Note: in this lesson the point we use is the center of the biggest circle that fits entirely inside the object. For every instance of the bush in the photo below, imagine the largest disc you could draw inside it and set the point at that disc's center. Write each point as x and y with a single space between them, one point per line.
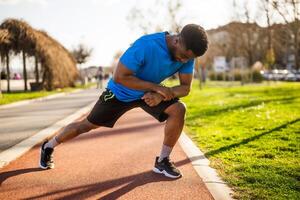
236 75
257 77
3 75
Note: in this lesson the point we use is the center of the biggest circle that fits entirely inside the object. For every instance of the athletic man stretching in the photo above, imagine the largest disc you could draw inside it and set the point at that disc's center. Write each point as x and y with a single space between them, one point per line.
136 83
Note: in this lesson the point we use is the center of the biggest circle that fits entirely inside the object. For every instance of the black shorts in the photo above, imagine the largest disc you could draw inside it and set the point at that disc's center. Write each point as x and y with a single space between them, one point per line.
109 109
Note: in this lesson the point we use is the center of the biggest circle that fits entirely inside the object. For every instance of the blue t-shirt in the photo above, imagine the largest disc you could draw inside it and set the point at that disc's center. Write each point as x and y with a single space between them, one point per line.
150 60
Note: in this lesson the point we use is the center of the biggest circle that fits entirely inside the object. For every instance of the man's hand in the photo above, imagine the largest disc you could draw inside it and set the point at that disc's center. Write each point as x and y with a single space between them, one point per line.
166 92
152 98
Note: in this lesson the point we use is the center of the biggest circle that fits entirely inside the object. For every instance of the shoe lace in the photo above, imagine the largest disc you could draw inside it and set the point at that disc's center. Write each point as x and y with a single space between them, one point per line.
169 163
49 157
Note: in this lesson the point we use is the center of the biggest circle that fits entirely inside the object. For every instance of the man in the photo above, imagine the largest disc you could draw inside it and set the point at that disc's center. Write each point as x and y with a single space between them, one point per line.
136 83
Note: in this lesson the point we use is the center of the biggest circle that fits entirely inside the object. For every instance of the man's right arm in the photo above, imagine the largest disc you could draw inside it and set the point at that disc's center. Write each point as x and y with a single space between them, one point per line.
124 76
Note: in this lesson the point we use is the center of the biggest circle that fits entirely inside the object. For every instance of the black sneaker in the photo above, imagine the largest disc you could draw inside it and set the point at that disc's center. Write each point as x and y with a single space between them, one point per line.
167 168
46 160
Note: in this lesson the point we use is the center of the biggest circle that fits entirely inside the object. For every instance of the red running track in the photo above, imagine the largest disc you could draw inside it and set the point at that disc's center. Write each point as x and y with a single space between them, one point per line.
105 164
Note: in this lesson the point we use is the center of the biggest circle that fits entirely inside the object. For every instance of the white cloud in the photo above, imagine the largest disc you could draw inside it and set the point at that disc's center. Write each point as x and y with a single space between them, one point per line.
16 2
105 3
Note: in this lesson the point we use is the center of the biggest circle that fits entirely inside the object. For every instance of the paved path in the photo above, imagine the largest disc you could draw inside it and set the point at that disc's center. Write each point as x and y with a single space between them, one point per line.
104 164
21 122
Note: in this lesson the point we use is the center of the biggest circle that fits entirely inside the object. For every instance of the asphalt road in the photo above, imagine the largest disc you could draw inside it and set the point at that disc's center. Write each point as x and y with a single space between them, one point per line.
19 123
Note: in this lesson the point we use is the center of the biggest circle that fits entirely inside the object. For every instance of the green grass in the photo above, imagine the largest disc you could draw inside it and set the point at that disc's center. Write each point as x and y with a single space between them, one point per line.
18 96
251 135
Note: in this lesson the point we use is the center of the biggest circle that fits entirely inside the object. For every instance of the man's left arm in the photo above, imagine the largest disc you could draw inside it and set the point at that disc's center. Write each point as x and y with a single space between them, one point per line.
185 78
153 98
185 85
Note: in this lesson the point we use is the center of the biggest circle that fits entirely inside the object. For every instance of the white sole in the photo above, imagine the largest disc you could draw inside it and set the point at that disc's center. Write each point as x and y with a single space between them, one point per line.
164 173
42 167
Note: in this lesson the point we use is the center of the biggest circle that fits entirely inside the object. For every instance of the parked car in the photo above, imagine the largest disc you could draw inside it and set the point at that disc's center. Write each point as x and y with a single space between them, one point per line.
281 75
267 75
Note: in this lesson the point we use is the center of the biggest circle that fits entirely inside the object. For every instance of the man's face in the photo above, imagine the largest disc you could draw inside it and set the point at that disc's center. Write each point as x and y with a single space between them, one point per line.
179 52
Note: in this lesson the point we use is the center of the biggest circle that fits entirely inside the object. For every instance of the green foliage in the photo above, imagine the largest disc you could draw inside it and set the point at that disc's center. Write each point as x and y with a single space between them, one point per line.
18 96
251 135
257 77
270 58
81 53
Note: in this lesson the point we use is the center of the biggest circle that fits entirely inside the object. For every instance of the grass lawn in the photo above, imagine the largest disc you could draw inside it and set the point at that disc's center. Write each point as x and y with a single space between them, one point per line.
18 96
251 135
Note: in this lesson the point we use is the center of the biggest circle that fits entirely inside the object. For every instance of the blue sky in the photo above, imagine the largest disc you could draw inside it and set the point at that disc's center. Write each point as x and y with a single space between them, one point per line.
102 25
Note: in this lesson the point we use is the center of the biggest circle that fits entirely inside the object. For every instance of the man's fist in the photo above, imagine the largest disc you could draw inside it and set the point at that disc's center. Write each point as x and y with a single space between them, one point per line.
166 92
152 98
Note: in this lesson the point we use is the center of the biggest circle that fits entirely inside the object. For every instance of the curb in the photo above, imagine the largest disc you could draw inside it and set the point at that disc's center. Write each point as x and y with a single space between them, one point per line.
19 149
24 102
216 186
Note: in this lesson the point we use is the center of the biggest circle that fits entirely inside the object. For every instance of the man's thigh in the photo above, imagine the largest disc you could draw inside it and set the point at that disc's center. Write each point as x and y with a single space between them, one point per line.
108 110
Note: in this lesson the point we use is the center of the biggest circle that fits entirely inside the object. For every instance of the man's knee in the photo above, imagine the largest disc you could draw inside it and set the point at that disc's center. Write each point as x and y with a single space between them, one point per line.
176 109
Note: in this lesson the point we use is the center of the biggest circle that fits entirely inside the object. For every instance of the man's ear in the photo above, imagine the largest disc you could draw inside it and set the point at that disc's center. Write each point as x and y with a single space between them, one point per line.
191 54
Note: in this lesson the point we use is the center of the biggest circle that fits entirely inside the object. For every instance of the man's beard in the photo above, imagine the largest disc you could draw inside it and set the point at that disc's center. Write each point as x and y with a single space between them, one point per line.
172 53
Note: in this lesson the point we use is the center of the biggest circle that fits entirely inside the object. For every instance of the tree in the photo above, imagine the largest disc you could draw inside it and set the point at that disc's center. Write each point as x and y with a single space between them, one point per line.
24 70
290 13
150 20
7 71
36 69
248 33
173 8
81 55
0 81
267 10
5 61
247 37
266 6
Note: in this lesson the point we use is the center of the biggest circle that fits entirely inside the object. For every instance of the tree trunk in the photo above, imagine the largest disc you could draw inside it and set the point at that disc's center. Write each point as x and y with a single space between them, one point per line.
296 53
293 26
250 53
7 72
200 77
242 75
37 75
44 72
24 71
198 72
0 81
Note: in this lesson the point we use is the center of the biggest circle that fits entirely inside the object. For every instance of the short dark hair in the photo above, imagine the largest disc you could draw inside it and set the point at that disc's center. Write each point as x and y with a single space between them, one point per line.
195 39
